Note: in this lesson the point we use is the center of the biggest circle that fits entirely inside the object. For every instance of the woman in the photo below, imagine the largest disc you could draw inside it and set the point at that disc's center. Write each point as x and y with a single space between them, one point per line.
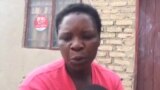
78 27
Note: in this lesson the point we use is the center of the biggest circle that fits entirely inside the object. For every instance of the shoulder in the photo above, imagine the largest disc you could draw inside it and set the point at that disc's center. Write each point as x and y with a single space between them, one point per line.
43 72
107 77
105 71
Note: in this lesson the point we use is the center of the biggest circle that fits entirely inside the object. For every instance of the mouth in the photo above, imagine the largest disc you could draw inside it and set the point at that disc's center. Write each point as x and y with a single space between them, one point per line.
78 60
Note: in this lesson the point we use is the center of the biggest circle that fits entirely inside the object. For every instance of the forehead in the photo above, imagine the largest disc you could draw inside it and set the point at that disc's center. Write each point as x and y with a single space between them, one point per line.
76 18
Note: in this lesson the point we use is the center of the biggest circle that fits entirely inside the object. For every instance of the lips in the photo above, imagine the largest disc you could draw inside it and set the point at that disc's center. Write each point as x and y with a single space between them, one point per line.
78 60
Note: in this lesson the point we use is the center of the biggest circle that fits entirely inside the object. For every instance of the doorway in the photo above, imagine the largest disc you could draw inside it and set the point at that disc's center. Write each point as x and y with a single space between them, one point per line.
148 45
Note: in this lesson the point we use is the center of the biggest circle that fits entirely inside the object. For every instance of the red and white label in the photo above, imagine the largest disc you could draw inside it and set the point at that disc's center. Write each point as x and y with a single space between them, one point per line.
41 23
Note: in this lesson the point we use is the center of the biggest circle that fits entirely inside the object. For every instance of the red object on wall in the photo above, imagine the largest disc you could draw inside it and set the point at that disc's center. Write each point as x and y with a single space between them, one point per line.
41 23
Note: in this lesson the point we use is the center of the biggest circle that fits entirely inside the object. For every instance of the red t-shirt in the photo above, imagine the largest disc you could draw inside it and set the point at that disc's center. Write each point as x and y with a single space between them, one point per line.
54 77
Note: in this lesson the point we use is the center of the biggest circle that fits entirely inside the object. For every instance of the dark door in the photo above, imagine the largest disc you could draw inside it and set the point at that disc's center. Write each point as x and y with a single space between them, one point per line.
148 60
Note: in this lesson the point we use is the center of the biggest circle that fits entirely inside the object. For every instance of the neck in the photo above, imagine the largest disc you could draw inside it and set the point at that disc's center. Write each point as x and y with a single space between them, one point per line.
79 74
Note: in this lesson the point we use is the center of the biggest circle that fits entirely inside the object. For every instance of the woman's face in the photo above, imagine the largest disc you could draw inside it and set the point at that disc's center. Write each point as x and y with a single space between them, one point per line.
78 40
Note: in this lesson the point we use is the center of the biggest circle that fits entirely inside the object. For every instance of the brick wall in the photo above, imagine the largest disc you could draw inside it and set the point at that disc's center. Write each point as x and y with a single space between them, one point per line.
117 37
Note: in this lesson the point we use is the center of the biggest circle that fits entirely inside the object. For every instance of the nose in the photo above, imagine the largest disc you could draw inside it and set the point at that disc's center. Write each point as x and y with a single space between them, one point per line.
77 45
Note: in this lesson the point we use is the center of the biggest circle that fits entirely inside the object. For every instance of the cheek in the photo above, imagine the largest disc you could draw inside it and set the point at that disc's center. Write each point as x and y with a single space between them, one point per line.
95 43
92 47
64 49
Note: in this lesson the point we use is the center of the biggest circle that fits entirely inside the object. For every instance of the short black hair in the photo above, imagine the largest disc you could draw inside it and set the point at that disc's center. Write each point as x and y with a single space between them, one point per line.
82 8
94 87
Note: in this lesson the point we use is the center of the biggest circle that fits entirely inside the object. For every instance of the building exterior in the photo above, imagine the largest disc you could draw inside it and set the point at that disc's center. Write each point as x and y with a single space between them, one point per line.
118 37
117 49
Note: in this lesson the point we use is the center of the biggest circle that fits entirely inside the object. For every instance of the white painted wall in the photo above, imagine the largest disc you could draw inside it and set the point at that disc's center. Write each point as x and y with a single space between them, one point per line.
16 61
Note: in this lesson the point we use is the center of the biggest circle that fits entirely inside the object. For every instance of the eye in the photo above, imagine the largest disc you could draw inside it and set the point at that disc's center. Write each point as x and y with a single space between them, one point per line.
88 36
65 37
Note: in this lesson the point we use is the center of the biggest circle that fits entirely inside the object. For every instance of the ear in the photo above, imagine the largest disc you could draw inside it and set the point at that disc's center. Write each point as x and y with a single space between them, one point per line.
99 41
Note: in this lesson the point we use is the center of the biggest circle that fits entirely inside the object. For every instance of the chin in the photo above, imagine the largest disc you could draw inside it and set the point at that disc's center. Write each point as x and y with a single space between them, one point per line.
79 68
